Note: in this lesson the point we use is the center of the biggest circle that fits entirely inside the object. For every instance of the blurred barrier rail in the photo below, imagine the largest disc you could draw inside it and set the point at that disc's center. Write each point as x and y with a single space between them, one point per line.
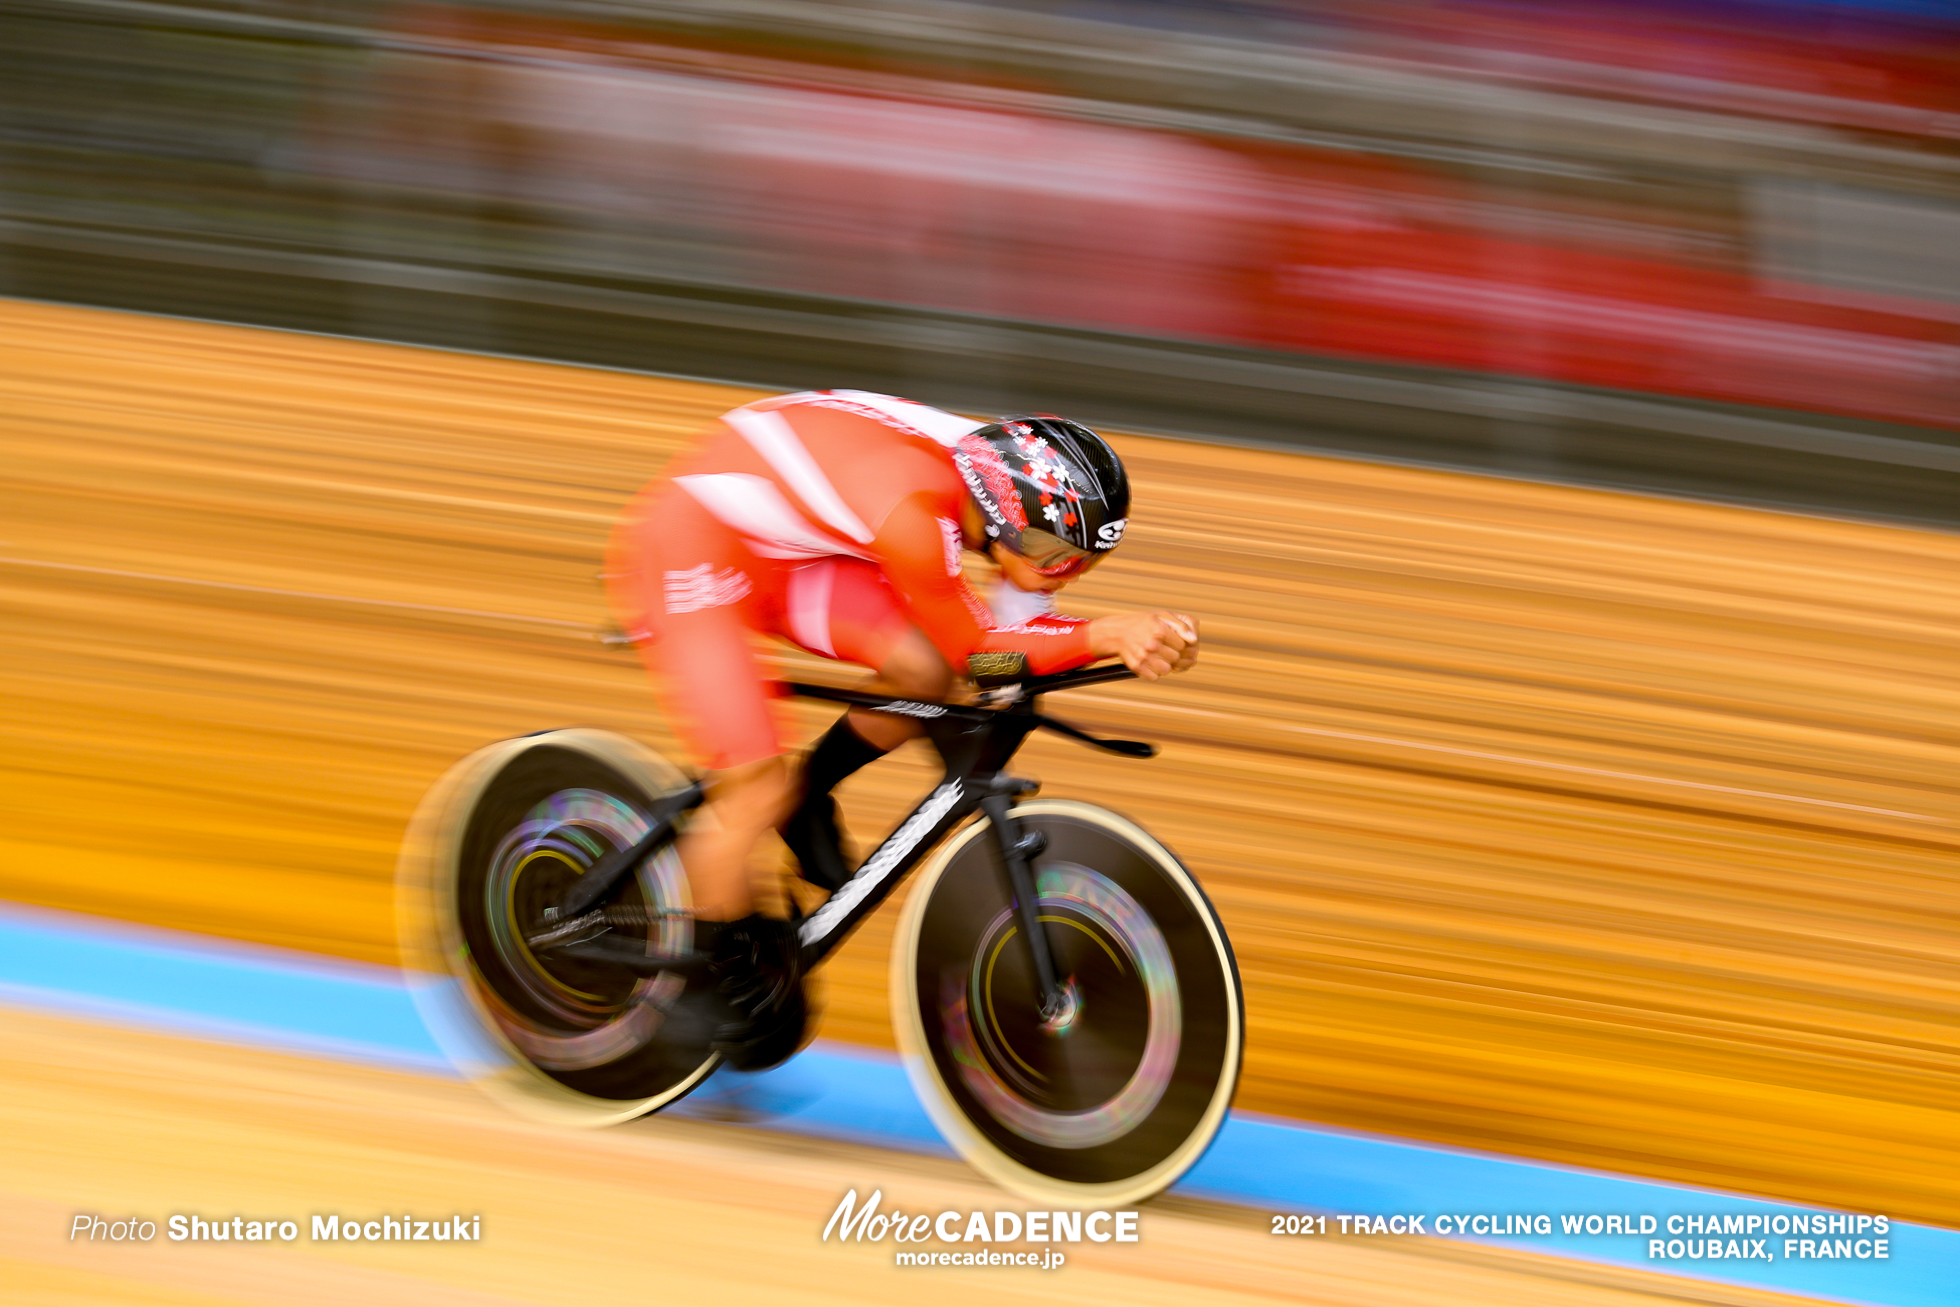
1584 826
1464 242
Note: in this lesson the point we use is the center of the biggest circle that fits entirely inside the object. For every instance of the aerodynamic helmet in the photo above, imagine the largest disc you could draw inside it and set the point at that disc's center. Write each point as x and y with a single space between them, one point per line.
1052 491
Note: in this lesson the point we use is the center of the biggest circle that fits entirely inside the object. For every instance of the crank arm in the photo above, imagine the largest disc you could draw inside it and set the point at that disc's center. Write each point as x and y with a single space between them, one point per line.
616 952
567 932
594 923
597 882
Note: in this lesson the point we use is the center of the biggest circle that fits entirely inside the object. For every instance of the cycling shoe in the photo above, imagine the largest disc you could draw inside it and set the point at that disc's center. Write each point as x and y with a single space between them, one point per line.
757 998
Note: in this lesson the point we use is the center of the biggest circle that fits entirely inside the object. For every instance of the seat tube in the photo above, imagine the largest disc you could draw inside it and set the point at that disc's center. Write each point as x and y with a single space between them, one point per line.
1014 852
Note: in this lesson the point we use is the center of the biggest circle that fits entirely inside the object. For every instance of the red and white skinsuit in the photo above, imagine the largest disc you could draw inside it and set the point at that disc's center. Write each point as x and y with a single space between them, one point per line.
830 519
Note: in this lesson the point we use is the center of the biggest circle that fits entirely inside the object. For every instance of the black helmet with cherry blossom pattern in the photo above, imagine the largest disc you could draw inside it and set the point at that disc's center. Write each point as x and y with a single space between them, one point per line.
1051 491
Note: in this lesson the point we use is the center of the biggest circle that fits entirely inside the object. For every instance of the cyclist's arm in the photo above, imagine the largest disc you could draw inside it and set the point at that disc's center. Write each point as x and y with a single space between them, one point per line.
918 545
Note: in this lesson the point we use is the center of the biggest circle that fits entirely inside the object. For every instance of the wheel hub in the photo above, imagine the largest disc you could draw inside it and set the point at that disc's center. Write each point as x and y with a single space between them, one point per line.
1056 1019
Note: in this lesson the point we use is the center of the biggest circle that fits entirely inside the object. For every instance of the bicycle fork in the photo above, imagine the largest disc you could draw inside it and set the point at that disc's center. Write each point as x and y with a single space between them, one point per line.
1016 851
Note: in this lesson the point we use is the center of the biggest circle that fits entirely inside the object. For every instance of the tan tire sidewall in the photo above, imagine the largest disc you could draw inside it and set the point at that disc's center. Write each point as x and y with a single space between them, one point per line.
981 1153
431 938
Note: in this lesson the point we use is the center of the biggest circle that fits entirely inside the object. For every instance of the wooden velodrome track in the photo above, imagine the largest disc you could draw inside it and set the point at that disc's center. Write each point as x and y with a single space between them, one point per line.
1599 828
655 1211
662 1211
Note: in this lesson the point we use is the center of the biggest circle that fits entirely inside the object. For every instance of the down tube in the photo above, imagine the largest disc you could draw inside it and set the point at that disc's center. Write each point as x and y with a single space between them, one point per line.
833 921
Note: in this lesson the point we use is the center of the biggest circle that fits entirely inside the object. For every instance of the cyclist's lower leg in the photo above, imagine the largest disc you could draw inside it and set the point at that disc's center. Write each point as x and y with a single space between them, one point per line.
754 1014
914 670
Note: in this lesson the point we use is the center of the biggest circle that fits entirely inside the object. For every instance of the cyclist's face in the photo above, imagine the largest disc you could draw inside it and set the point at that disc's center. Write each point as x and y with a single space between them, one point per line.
1020 573
1022 576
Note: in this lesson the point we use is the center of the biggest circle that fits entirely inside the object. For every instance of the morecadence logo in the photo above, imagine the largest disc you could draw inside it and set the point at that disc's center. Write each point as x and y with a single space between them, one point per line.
865 1223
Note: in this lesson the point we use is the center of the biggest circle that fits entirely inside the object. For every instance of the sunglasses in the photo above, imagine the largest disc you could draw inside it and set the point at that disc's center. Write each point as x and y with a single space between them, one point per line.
1052 556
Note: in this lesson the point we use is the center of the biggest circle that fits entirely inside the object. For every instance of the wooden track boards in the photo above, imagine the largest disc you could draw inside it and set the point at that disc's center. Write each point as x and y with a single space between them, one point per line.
661 1210
1600 828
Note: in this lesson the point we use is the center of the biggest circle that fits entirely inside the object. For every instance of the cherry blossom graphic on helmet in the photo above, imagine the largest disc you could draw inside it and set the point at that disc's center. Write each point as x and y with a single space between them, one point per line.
991 484
1042 466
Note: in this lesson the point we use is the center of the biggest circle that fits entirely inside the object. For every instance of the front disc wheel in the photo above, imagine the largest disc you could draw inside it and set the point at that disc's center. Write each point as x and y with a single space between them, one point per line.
1114 1092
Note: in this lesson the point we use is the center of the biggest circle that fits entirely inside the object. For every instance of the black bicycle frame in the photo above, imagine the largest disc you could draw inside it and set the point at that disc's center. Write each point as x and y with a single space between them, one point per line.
975 743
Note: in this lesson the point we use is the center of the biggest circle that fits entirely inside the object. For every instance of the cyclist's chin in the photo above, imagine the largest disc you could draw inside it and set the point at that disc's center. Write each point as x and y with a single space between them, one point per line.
1033 582
1024 578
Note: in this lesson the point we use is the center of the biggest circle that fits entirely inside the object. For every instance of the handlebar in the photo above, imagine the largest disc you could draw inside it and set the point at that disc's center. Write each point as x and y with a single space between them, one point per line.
993 697
994 701
1081 676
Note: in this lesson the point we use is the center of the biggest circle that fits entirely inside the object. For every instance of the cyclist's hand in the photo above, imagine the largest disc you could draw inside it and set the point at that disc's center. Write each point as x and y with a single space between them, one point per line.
1150 644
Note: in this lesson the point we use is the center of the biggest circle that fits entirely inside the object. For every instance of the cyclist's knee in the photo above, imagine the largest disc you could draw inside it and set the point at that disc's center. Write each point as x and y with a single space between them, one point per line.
916 669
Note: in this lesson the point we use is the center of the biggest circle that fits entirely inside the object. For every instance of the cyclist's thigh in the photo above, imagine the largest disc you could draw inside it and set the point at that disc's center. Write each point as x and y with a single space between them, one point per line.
685 585
843 608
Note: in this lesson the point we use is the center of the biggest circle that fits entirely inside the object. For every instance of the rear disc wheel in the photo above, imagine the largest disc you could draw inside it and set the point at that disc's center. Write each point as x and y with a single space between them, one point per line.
496 844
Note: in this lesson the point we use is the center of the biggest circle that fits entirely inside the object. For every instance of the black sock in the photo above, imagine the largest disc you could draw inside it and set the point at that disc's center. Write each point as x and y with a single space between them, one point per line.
811 830
840 753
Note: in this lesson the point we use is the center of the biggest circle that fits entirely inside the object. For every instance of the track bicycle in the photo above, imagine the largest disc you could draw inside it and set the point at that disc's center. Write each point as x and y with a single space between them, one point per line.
1065 997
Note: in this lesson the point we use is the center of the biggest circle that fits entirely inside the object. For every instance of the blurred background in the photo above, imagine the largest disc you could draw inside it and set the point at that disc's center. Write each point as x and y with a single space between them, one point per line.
1712 246
1551 816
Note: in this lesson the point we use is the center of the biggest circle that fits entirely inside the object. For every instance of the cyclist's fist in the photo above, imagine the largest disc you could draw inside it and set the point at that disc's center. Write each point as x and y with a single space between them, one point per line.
1150 644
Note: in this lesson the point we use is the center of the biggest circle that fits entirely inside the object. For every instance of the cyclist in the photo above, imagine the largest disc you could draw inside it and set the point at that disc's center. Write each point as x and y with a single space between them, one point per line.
837 520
